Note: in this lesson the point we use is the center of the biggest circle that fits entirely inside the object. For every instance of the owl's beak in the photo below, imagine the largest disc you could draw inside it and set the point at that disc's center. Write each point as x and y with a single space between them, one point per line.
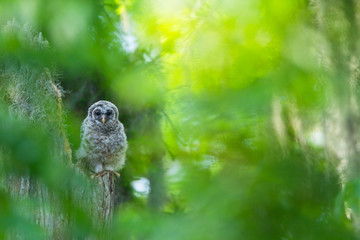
103 120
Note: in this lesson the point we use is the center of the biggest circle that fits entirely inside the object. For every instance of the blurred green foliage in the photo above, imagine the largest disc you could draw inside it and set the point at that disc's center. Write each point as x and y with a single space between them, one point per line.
241 116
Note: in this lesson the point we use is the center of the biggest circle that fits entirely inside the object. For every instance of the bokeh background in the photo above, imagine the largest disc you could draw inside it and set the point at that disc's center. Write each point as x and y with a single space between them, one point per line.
242 117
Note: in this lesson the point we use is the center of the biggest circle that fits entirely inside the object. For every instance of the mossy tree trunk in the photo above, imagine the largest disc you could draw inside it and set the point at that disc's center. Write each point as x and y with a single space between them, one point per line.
32 95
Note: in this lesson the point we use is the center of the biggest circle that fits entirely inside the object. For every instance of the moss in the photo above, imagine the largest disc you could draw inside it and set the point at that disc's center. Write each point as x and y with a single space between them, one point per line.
30 90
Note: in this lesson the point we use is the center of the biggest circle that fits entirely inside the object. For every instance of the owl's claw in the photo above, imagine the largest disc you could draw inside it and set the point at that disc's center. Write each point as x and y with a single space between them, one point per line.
94 175
116 174
99 174
102 173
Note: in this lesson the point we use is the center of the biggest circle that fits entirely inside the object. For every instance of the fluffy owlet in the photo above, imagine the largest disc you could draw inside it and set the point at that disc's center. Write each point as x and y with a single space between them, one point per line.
103 140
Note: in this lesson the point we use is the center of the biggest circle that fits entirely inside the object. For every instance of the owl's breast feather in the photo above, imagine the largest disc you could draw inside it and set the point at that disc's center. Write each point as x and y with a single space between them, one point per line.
107 144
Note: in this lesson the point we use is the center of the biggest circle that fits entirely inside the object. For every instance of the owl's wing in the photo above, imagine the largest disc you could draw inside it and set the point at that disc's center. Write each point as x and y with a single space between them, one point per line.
82 128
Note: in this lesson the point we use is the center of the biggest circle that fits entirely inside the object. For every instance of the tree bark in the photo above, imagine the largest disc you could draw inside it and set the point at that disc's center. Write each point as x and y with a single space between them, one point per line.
103 198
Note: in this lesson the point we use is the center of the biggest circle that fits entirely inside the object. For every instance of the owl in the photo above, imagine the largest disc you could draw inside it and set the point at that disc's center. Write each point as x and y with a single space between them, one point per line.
103 140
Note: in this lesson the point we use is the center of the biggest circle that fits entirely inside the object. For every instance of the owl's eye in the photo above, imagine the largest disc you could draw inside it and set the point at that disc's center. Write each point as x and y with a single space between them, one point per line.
97 113
108 112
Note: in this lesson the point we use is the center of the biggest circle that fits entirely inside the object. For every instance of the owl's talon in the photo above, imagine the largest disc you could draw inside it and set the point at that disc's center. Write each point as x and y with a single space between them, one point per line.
103 173
94 174
111 171
116 173
99 174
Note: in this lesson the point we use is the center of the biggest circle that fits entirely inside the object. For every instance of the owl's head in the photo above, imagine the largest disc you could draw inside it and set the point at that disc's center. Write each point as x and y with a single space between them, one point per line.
103 112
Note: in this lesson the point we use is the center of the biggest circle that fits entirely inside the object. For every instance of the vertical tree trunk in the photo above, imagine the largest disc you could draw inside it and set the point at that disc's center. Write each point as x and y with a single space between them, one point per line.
103 198
32 95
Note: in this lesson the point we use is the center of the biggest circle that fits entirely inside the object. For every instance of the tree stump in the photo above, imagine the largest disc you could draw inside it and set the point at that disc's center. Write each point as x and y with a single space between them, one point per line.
103 198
